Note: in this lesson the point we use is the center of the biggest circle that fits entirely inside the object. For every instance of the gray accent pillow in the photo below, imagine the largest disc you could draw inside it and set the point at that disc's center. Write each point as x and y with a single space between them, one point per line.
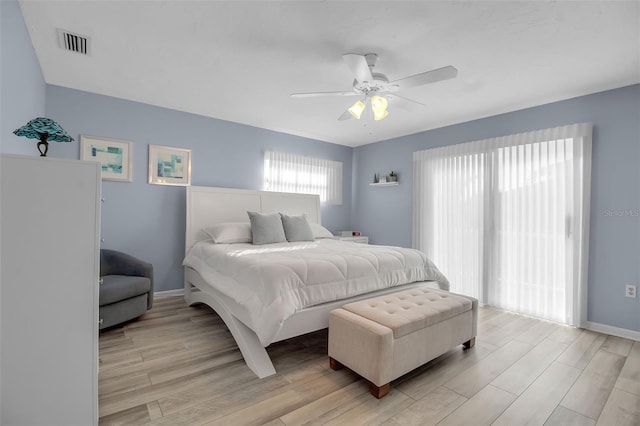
266 228
296 228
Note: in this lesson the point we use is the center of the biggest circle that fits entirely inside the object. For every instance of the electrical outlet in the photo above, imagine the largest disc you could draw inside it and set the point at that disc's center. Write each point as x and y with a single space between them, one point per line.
630 291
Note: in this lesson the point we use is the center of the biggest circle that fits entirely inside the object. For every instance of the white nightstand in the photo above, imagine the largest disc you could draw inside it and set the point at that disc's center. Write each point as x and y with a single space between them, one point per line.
361 239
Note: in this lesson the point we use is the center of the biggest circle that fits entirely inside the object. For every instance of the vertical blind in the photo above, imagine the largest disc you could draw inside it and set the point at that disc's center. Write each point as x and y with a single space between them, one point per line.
507 219
305 175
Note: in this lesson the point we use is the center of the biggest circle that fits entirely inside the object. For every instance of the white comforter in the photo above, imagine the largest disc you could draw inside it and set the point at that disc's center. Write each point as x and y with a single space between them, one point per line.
274 281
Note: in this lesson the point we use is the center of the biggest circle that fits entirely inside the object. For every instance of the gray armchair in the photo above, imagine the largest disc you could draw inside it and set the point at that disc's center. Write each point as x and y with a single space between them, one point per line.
126 287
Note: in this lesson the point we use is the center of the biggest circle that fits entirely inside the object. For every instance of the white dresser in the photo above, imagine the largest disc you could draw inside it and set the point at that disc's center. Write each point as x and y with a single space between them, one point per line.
50 217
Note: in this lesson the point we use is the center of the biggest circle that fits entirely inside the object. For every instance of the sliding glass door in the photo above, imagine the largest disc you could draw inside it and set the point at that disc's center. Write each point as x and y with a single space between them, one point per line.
506 219
532 209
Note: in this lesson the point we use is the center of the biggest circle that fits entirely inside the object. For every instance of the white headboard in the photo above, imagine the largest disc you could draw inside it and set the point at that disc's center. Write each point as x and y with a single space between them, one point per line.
207 206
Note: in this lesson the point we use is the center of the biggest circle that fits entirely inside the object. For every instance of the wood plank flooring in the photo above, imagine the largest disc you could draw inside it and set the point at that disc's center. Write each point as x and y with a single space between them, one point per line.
179 365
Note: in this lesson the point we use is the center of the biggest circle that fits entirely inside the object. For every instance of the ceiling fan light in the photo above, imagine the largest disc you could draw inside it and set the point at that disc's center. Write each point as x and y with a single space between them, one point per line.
379 104
380 115
357 109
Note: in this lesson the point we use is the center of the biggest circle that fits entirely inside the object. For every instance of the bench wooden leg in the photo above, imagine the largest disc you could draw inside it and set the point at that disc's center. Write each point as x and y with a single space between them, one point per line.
469 343
335 365
379 391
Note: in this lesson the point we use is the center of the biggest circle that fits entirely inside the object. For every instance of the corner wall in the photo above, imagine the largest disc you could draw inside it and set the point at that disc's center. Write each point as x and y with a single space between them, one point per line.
21 82
385 213
22 87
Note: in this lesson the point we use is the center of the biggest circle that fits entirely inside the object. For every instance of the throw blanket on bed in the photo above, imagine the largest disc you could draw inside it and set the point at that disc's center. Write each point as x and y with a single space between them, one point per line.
274 281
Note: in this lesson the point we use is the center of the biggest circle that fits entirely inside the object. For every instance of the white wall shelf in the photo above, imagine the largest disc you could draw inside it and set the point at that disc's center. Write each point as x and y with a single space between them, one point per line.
384 184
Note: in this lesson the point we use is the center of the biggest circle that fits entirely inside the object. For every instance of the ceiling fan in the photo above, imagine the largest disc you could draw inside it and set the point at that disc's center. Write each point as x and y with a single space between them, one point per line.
376 89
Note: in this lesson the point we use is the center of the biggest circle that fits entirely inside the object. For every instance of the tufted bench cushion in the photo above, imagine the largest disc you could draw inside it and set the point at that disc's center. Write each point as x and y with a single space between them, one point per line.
411 310
385 337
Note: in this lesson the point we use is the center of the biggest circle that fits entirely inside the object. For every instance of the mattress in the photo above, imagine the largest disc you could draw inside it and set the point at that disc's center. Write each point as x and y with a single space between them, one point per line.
274 281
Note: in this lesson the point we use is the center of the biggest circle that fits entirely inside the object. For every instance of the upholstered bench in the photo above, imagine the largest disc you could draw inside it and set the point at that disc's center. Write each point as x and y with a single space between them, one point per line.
385 337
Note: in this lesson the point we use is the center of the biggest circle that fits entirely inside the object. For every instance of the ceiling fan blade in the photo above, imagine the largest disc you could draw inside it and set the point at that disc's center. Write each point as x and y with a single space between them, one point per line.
444 73
345 116
318 94
358 66
404 103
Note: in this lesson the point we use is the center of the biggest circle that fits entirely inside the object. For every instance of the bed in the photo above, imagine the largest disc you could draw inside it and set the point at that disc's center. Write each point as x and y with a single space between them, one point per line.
210 278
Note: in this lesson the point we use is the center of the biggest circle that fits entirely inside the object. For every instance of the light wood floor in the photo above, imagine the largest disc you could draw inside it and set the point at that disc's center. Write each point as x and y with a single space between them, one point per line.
178 365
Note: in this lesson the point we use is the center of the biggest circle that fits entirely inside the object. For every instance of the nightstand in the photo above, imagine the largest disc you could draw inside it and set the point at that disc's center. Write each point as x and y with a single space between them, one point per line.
361 239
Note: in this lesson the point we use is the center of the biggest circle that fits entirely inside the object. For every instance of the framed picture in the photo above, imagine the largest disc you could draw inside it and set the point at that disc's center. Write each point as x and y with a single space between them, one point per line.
113 154
169 166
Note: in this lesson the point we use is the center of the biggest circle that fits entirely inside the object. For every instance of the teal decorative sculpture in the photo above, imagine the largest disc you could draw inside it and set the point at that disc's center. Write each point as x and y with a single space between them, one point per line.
44 129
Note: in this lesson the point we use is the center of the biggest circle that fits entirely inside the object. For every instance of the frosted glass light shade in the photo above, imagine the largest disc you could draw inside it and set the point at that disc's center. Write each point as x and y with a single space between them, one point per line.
357 109
378 103
379 107
379 116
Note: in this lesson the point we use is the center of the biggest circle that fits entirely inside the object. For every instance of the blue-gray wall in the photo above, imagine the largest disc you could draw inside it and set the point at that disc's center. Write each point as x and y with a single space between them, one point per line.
22 87
148 221
384 213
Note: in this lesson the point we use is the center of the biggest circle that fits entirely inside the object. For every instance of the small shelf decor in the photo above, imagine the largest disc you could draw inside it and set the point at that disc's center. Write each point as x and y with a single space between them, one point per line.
385 180
44 129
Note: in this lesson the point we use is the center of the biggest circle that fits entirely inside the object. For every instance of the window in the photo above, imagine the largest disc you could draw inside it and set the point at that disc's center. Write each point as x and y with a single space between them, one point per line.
507 219
304 175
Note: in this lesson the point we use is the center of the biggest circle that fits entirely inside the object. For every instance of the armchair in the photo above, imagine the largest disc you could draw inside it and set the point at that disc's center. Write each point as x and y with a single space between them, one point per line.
126 287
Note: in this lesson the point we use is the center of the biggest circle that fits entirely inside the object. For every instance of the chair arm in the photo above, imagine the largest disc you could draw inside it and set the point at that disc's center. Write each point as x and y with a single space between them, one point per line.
113 262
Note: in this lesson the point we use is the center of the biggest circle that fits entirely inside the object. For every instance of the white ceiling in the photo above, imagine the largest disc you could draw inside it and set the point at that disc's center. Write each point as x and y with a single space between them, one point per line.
239 61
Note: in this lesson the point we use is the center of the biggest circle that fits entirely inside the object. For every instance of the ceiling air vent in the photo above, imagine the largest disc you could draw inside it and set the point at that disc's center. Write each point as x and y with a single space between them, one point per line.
73 42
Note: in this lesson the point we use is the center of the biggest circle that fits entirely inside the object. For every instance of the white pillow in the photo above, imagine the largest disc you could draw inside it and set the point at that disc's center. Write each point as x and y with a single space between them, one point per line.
320 231
230 232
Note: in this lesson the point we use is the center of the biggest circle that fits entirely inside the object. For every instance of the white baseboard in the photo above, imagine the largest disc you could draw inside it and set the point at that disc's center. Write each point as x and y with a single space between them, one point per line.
614 331
167 293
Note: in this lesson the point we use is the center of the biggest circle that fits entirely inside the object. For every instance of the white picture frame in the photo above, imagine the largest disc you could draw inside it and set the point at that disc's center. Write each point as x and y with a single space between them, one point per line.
169 166
114 155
